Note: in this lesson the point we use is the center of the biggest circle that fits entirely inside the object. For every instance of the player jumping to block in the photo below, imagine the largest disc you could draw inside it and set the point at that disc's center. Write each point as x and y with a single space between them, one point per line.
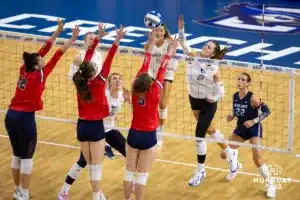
93 108
20 118
141 141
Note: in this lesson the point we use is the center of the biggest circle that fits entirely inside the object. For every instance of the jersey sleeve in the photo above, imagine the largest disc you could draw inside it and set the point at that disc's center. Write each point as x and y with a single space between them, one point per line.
107 63
52 62
45 48
90 52
162 69
145 65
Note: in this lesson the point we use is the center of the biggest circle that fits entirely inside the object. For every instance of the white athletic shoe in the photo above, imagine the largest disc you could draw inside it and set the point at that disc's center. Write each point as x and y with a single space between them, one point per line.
198 176
231 175
270 191
17 195
233 160
102 197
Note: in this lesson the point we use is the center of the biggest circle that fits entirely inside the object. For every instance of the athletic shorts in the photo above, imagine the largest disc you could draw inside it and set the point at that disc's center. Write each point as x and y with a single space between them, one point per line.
141 140
90 130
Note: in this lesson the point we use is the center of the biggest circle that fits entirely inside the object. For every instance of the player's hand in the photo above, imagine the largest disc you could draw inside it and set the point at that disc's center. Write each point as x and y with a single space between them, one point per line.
75 33
249 123
60 25
127 95
152 36
174 43
101 30
180 22
120 33
230 118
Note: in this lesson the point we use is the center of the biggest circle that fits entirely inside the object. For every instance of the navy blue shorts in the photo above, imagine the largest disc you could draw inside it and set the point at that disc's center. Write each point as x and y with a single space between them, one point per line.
141 140
248 133
90 130
21 129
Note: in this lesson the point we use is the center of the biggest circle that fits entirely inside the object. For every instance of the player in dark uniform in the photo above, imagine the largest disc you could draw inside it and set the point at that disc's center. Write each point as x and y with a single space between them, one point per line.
249 112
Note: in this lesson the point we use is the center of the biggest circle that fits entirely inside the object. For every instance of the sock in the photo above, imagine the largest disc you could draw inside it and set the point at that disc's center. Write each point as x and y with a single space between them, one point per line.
18 187
65 189
228 151
200 166
96 195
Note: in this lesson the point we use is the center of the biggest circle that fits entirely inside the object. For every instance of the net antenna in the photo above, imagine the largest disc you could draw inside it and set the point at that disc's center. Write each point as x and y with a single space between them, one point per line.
261 68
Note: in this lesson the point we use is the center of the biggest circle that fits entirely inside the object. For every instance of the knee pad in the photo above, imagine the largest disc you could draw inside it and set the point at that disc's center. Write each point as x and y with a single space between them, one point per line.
75 171
128 176
218 136
95 172
26 166
163 113
141 178
15 162
201 147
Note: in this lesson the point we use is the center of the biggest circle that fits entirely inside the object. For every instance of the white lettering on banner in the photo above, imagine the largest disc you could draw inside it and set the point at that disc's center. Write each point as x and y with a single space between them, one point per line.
236 23
130 29
83 30
6 21
279 54
252 48
297 63
288 10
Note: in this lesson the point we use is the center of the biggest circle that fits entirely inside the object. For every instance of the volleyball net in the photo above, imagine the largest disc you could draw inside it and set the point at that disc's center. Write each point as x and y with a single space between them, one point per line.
275 85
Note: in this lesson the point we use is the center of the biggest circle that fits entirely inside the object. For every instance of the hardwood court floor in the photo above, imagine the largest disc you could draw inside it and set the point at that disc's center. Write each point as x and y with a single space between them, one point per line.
176 159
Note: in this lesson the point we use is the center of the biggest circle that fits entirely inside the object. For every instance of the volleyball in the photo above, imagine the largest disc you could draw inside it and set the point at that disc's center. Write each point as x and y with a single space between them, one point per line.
153 19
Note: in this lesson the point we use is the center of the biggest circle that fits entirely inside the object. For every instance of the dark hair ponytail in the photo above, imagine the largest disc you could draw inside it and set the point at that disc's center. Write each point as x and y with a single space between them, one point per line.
219 53
30 61
80 79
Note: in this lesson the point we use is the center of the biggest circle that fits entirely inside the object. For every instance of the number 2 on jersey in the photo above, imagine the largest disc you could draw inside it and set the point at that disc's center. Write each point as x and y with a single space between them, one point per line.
240 111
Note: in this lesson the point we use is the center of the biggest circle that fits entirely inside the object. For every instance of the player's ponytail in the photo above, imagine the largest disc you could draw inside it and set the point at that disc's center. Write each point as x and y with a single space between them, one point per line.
219 53
30 61
80 79
142 83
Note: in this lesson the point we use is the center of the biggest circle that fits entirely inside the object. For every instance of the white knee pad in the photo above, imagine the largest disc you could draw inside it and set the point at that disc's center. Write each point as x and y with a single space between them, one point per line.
95 172
26 166
15 162
163 113
217 136
201 148
128 176
141 178
75 171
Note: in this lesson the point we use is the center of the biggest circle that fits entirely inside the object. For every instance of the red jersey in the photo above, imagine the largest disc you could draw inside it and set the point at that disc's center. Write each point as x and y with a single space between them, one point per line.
98 107
30 86
145 109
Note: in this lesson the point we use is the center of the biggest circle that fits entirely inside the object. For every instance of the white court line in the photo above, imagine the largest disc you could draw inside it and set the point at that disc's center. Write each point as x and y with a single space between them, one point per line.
164 161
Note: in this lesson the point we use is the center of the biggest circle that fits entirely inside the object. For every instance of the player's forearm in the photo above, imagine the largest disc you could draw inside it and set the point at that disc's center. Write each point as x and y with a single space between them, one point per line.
162 69
45 48
108 61
67 45
90 52
265 112
146 64
218 90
